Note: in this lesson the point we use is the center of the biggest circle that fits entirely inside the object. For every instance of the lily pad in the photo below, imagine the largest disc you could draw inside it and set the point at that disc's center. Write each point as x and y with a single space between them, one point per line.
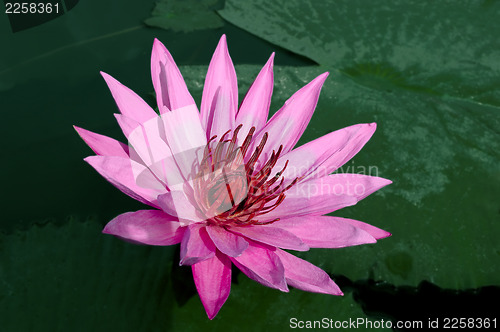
186 15
77 278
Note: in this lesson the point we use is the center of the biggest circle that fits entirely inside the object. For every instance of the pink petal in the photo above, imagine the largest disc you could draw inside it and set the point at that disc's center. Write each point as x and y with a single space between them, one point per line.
171 90
254 108
327 232
262 265
119 172
151 227
317 157
223 113
377 233
356 141
273 236
196 245
220 74
129 103
304 275
150 147
176 203
227 242
326 194
126 124
212 278
186 139
288 124
103 145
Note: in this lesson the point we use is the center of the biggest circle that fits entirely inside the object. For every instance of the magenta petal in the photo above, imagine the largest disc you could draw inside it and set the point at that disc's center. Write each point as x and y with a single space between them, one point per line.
254 108
221 74
212 278
262 265
103 145
171 90
151 227
228 243
129 103
273 236
119 172
196 245
306 276
327 232
288 124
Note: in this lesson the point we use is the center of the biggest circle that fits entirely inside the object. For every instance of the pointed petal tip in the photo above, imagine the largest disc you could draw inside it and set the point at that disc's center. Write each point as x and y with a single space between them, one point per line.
270 62
318 82
222 43
158 44
105 230
385 235
323 76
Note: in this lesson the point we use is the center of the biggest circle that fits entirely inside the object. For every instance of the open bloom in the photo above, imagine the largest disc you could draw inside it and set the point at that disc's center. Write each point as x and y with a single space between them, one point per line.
226 183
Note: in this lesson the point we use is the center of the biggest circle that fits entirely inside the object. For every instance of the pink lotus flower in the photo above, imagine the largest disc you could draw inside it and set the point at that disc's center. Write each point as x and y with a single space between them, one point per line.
227 184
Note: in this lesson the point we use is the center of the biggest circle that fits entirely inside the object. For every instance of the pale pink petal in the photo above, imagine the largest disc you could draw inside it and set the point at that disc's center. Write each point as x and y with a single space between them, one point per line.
129 103
317 157
254 108
119 172
377 233
220 73
212 278
196 245
177 203
326 231
171 90
103 145
151 227
306 276
273 236
223 113
288 124
227 242
186 139
126 124
326 194
261 264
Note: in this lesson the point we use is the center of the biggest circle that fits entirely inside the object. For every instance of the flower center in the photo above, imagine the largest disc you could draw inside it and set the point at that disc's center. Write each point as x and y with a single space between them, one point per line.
229 191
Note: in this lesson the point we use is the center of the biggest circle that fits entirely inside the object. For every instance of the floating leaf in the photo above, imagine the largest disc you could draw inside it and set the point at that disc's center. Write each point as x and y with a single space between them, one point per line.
186 15
78 279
